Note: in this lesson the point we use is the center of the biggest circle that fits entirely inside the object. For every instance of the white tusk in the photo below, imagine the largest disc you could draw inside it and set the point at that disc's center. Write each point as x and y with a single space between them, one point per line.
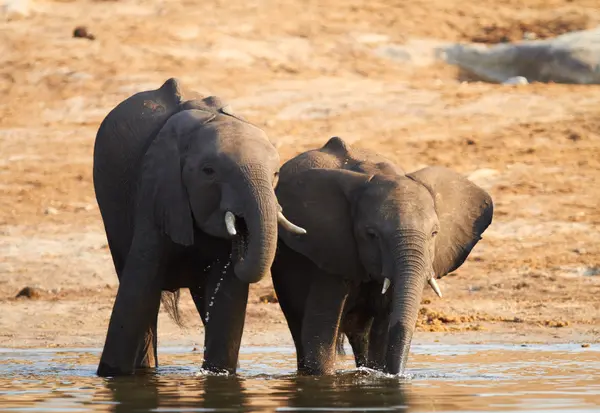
435 287
386 285
230 223
288 225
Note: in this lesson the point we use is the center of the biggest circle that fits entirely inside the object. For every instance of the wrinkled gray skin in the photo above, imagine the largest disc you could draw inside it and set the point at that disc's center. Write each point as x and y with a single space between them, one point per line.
166 171
366 220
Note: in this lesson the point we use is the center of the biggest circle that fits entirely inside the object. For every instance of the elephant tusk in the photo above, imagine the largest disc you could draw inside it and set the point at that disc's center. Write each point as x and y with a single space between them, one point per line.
435 287
230 223
288 225
386 285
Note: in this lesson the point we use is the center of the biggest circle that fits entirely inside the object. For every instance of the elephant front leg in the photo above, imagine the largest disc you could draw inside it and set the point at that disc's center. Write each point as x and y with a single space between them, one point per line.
320 324
225 300
357 325
135 309
378 343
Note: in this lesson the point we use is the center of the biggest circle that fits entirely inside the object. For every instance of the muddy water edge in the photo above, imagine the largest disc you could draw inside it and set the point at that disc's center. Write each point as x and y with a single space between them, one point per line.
457 378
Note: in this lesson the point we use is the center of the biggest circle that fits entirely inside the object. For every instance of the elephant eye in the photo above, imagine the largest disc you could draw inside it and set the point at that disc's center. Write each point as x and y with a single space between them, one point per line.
434 233
371 233
208 170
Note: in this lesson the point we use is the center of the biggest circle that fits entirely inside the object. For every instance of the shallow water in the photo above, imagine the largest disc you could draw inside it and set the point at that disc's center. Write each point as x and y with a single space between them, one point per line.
458 378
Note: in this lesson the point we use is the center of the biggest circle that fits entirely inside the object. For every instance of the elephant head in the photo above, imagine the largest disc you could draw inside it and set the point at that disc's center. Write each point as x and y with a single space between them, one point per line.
205 169
405 230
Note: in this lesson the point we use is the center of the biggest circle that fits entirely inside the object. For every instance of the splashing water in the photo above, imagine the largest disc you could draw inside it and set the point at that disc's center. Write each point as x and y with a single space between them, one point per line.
218 286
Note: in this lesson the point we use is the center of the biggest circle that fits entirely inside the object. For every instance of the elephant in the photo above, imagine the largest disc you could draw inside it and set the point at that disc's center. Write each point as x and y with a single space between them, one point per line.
376 236
185 189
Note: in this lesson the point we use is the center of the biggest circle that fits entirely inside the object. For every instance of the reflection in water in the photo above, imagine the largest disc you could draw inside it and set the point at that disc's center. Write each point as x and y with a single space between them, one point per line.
230 393
149 392
442 378
349 390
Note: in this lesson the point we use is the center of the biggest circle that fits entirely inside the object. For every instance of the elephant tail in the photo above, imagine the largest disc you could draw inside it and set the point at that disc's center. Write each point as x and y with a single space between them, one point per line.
340 344
170 300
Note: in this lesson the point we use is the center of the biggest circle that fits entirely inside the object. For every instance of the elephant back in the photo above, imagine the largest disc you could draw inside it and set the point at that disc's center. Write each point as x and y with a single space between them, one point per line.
337 154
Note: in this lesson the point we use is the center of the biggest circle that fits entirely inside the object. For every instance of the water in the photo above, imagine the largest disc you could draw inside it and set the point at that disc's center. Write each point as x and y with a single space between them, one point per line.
441 378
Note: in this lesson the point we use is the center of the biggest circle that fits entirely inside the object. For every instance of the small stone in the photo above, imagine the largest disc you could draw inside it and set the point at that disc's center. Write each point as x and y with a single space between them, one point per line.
195 349
50 211
82 32
29 292
529 36
585 345
269 298
516 80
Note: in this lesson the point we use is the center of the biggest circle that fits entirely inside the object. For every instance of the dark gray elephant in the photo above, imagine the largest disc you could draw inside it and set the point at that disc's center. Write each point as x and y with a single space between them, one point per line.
186 193
376 236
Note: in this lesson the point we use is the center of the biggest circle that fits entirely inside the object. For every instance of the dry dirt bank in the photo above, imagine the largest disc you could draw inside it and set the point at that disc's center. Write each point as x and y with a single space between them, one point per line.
305 72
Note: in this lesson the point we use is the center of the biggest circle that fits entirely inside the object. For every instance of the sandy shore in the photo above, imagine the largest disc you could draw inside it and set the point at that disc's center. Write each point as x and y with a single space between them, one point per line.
304 72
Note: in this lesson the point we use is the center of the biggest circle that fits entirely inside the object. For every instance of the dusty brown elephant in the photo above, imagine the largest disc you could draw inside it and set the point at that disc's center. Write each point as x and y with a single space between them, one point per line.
186 193
376 236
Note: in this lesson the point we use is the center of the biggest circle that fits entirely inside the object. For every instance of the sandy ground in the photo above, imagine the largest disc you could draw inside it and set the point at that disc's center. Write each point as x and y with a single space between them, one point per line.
305 71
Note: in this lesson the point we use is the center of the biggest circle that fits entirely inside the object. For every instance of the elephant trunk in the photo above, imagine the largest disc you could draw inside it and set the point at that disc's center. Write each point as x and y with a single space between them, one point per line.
410 268
259 212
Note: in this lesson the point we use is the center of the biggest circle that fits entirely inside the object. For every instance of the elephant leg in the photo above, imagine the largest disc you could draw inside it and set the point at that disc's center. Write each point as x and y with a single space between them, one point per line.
378 342
357 326
320 325
291 274
294 322
225 300
136 306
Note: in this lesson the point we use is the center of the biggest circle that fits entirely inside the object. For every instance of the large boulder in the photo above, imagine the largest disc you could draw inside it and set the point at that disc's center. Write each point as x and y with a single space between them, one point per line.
14 8
571 58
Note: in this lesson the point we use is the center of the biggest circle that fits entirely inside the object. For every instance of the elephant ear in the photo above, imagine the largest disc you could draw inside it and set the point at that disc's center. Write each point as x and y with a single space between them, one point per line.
319 200
162 184
464 211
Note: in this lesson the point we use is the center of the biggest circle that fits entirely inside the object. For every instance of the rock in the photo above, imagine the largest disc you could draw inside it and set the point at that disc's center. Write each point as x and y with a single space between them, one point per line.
585 345
29 292
50 211
82 32
14 8
417 52
516 80
269 298
570 58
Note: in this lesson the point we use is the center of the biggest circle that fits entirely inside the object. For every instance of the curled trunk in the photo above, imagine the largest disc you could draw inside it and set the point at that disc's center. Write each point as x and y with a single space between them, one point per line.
259 210
411 270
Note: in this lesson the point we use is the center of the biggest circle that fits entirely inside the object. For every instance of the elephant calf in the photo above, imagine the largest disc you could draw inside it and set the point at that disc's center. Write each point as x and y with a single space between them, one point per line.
186 193
376 236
